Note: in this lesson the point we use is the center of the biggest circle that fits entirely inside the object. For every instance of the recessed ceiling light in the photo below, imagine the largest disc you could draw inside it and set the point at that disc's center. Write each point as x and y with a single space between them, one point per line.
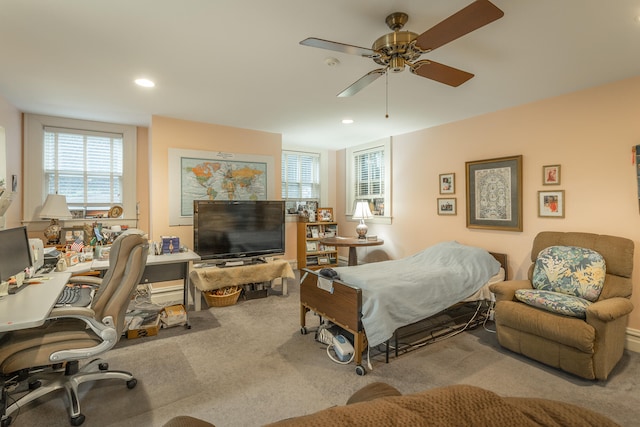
347 121
145 83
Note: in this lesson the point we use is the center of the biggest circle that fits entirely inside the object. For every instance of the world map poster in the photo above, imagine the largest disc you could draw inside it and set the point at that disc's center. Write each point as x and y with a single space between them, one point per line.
203 179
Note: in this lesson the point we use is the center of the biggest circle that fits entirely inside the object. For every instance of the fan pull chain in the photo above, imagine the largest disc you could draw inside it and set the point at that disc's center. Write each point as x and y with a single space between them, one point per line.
386 77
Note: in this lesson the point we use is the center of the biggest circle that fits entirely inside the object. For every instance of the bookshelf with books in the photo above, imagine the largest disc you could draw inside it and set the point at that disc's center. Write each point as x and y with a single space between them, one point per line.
311 253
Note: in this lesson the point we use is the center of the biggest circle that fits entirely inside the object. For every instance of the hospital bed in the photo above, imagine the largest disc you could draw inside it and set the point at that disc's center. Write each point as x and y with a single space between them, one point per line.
372 301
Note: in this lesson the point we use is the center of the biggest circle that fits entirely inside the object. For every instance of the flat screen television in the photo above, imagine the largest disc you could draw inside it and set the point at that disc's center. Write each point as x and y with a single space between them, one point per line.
238 229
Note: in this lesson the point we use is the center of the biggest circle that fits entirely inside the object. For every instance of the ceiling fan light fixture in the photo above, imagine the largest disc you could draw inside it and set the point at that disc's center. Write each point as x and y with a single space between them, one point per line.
396 64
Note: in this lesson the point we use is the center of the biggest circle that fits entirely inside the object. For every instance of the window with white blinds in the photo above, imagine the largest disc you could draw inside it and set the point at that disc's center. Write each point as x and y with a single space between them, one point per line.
87 167
92 163
300 177
368 172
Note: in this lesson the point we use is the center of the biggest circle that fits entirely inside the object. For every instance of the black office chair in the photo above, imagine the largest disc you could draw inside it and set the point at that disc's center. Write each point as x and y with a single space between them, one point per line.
73 334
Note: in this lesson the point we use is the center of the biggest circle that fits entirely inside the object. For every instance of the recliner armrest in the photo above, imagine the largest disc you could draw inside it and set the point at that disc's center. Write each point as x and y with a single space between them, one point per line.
609 309
506 291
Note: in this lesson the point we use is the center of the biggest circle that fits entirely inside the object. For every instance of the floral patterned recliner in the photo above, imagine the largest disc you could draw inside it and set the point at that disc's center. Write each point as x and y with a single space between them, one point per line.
572 311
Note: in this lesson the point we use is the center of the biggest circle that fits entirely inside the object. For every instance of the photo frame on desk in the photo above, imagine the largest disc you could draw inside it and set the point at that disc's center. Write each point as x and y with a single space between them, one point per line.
70 234
494 193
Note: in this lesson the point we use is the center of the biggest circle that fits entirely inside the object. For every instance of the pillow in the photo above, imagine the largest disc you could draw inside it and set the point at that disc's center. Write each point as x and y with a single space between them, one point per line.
555 302
570 270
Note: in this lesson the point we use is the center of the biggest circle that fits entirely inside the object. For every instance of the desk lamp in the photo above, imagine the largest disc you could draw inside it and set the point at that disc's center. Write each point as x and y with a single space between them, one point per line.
54 208
362 212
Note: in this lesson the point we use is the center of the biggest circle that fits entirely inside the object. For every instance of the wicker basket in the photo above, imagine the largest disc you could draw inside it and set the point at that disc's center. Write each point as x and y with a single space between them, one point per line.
229 298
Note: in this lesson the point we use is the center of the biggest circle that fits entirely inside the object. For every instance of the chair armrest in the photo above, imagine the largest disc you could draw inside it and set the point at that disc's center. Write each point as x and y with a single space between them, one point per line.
67 311
506 291
105 330
85 280
609 309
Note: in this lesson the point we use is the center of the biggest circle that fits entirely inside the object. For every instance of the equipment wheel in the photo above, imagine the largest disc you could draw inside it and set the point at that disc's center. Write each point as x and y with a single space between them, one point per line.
77 421
303 330
360 370
132 383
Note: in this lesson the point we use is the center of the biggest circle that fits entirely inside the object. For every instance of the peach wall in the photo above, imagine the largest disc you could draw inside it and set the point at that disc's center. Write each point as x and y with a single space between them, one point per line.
168 133
11 121
590 133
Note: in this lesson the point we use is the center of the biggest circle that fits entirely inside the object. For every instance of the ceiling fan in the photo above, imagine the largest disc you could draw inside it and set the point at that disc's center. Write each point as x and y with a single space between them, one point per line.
398 49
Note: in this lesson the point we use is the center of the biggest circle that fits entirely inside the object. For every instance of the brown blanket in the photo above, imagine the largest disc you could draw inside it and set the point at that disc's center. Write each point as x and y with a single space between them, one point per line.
209 278
459 405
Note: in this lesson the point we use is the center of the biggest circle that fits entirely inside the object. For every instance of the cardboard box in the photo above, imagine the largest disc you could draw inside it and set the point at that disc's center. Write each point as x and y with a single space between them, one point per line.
145 330
173 315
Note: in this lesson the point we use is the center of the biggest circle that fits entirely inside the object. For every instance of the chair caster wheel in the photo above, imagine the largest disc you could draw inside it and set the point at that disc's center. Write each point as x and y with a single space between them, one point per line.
132 383
360 370
76 421
104 366
6 422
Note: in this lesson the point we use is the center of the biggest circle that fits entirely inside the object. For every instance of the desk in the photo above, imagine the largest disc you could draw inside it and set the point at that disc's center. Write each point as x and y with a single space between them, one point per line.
353 243
163 268
30 307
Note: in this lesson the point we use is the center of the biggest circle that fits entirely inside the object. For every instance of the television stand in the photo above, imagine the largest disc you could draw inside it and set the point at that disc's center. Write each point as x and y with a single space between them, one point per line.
242 262
210 278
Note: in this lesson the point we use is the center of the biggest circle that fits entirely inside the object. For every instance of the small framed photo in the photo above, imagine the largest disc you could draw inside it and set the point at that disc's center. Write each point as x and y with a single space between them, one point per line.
447 183
551 175
447 206
325 214
70 235
551 204
312 246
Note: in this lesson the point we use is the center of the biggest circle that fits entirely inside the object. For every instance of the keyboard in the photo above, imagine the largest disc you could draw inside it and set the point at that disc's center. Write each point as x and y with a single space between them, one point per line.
75 296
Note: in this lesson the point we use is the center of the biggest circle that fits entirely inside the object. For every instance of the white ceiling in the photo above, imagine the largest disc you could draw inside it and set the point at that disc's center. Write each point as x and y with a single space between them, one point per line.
239 63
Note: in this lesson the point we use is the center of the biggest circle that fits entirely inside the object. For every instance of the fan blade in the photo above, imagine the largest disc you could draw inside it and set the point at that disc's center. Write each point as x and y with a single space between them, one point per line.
440 72
476 15
362 82
339 47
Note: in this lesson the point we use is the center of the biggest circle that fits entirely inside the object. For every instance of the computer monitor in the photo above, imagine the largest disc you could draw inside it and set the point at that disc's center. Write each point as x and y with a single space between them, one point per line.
15 254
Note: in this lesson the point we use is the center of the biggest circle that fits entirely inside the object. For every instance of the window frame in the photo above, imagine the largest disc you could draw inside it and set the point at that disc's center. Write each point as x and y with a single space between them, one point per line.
310 153
350 190
324 173
34 176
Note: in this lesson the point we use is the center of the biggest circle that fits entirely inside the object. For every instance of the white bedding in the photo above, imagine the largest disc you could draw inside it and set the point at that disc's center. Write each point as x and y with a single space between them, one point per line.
400 292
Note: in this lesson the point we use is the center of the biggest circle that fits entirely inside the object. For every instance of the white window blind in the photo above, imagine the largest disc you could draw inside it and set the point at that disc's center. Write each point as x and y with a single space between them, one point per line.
85 166
300 176
369 172
369 178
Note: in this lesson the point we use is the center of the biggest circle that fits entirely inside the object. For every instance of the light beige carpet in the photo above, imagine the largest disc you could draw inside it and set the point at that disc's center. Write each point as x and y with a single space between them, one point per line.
256 368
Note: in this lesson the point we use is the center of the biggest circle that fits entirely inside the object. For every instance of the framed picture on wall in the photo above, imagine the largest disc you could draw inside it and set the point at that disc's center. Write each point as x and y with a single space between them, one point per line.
447 183
551 204
494 194
447 206
551 175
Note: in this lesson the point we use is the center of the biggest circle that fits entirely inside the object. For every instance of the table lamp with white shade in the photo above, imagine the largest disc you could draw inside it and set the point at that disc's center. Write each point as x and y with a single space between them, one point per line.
362 212
55 208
